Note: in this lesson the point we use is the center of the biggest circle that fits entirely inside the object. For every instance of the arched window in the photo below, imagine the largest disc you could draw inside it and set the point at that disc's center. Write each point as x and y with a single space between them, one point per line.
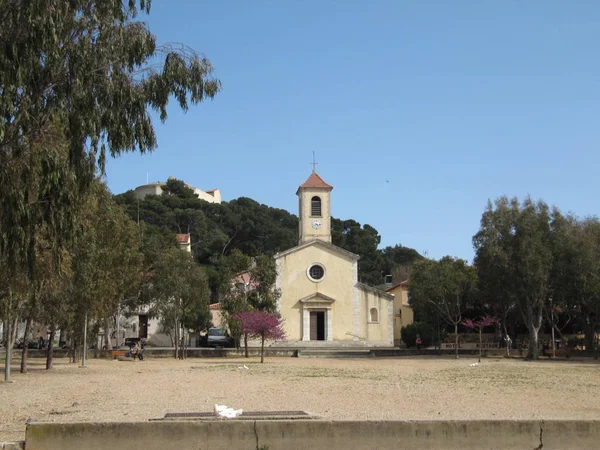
315 207
374 315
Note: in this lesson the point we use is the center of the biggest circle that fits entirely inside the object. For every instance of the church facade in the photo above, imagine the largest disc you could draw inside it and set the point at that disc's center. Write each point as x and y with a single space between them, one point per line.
322 302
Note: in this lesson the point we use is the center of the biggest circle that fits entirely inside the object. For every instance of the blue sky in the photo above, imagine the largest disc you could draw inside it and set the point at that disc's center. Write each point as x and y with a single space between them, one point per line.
418 111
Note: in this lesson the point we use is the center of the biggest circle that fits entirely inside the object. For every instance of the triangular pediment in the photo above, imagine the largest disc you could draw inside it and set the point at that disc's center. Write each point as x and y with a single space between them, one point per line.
317 297
324 244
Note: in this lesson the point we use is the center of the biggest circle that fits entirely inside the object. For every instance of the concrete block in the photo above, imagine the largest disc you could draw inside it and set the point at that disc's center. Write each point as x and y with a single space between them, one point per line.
20 445
316 435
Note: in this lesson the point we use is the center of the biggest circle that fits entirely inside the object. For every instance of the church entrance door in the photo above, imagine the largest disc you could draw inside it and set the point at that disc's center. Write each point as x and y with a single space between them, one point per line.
317 325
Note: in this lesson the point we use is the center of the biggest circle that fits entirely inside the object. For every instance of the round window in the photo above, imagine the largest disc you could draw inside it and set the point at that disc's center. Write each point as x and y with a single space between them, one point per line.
316 272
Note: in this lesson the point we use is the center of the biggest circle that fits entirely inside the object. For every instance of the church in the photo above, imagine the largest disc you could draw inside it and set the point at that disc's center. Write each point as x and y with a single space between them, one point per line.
322 302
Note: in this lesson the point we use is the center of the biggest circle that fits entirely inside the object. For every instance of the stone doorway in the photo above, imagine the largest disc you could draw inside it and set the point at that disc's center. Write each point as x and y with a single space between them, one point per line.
317 326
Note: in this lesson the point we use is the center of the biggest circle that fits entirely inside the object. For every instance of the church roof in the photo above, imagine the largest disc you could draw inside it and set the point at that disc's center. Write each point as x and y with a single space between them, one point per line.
335 248
315 181
366 287
402 283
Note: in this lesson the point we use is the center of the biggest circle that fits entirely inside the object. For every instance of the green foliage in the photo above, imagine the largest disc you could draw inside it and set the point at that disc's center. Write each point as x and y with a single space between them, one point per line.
576 272
246 284
349 235
178 188
398 256
40 193
424 330
514 260
179 291
78 81
263 275
255 229
107 260
446 286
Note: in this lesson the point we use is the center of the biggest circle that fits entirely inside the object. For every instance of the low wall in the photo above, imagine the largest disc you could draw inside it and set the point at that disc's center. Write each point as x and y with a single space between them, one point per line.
316 435
20 445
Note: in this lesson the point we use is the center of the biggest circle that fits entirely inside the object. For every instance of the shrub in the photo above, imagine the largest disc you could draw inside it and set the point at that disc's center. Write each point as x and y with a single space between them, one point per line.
409 334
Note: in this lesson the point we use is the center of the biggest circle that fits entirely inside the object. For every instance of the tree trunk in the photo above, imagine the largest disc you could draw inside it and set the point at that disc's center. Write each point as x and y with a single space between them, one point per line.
590 333
74 351
183 345
480 344
176 339
533 351
246 345
455 340
50 351
439 335
26 344
534 318
506 337
262 348
9 340
107 344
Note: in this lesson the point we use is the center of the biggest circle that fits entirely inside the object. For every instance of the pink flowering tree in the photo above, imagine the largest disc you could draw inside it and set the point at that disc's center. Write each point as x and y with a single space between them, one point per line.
263 325
479 325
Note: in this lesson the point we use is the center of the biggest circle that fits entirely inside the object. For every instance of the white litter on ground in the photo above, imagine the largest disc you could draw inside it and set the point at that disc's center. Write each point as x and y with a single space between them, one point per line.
229 413
474 364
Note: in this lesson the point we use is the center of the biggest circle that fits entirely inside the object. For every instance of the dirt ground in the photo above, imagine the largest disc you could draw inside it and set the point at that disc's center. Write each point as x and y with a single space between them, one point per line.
390 388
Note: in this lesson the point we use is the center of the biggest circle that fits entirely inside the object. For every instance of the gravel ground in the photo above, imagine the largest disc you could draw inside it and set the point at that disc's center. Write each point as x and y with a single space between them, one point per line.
382 388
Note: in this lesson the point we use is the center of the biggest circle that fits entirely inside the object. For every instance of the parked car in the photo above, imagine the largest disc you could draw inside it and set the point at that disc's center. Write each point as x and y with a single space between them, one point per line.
32 344
218 337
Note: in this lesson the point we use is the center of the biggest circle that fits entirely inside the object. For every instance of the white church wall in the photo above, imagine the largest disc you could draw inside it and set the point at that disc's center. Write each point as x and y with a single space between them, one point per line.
337 283
379 331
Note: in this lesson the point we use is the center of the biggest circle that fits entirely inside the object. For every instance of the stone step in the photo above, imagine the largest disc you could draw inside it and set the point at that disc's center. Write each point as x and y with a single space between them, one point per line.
331 353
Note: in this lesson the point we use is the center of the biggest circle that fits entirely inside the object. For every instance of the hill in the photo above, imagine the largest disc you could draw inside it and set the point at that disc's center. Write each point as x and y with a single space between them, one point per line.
254 229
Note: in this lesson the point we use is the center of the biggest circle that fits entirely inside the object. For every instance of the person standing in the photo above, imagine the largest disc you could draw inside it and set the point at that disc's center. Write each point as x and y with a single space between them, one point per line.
508 344
418 342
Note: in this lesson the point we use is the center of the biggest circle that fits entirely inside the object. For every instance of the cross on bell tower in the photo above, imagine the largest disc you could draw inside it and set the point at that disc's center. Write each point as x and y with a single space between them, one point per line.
314 163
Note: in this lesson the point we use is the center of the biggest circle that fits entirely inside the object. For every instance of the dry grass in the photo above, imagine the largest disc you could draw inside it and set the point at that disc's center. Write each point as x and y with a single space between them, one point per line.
394 388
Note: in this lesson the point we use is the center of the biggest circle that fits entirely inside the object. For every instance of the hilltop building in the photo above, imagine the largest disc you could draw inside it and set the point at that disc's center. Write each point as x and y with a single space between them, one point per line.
211 196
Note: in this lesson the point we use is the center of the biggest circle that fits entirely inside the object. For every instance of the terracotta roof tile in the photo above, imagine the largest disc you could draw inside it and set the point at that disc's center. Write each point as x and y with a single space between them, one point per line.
315 181
183 238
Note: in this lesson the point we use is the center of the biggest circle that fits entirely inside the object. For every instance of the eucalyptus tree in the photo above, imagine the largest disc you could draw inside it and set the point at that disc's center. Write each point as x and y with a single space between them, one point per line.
233 296
107 259
514 248
576 272
494 261
78 82
446 286
179 292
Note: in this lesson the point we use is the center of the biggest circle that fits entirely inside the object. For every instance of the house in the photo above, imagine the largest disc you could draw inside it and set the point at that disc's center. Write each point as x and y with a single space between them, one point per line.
403 313
215 314
184 241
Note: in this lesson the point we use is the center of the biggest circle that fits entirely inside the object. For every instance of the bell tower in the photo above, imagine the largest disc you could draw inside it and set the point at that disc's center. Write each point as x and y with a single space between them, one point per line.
314 210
